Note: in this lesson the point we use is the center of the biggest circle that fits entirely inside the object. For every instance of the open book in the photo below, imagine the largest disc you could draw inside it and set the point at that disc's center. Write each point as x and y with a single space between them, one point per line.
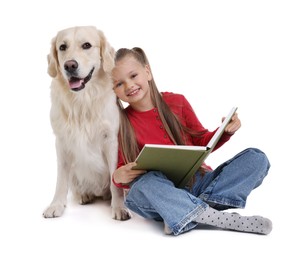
179 162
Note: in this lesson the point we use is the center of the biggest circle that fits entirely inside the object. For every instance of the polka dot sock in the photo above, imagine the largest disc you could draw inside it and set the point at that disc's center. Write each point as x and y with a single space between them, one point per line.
234 221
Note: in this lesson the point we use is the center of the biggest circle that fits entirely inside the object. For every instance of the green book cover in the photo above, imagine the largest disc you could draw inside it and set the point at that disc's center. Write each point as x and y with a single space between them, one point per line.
177 162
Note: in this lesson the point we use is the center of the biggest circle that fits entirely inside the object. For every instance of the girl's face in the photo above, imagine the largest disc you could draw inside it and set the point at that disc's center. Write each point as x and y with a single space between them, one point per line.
130 81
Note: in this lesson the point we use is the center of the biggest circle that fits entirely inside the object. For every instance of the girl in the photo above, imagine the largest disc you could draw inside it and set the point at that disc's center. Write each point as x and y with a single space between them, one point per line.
167 118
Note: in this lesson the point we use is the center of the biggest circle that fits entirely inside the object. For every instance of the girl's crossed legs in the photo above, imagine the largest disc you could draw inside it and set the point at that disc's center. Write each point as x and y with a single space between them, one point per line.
153 196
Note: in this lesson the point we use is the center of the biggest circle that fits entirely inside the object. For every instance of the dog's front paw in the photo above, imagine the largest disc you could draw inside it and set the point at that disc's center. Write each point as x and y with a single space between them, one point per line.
54 210
121 213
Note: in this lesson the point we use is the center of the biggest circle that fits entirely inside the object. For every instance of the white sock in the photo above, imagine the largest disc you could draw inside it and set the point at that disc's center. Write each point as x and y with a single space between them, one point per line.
234 221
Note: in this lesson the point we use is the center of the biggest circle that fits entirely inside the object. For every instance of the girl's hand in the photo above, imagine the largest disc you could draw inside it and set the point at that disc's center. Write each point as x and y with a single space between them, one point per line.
233 125
125 174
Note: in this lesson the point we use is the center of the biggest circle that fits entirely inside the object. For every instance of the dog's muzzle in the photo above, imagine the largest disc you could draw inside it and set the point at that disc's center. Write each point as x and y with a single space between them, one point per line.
76 83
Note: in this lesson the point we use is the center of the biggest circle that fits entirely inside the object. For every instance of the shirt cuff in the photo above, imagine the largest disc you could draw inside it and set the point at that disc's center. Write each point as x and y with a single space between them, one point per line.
120 185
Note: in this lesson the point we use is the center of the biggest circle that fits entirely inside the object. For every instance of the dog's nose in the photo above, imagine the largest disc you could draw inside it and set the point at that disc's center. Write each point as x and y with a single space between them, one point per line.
71 66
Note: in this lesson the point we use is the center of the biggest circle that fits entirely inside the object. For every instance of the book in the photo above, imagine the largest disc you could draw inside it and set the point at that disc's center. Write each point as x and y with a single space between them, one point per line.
179 162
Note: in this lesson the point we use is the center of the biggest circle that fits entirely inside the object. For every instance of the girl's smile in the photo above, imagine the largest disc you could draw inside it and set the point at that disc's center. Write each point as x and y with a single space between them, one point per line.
133 92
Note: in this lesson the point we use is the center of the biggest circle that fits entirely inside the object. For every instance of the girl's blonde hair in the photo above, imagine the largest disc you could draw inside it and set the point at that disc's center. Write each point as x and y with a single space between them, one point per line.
172 125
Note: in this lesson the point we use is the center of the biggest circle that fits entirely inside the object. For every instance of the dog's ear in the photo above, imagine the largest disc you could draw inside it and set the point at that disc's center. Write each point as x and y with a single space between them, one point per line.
107 53
52 58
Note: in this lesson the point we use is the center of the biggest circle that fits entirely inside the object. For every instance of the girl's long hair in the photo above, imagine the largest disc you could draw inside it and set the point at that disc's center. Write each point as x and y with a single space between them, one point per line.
172 125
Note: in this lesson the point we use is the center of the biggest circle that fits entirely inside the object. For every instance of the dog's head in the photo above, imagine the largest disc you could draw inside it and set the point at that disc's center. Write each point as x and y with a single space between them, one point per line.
78 54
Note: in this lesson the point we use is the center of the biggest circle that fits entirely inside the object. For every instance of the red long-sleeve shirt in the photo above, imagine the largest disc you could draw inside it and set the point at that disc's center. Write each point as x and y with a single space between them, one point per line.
149 129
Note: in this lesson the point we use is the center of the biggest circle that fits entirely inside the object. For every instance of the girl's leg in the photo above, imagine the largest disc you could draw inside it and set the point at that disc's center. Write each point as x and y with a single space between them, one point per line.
153 196
229 185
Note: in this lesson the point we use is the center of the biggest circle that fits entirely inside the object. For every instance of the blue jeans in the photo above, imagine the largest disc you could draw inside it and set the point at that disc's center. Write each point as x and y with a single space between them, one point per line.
153 196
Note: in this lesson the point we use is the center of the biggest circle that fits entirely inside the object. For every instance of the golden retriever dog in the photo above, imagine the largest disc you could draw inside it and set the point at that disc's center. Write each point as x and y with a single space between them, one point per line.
85 119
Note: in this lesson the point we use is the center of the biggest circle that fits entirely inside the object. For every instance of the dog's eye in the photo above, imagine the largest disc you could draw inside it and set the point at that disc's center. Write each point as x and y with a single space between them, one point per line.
86 45
63 47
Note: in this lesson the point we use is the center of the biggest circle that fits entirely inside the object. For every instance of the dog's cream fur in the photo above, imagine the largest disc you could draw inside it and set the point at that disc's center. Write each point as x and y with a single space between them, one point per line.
85 119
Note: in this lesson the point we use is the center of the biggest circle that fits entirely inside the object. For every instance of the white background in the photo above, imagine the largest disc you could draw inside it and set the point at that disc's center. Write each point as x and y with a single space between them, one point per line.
219 54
